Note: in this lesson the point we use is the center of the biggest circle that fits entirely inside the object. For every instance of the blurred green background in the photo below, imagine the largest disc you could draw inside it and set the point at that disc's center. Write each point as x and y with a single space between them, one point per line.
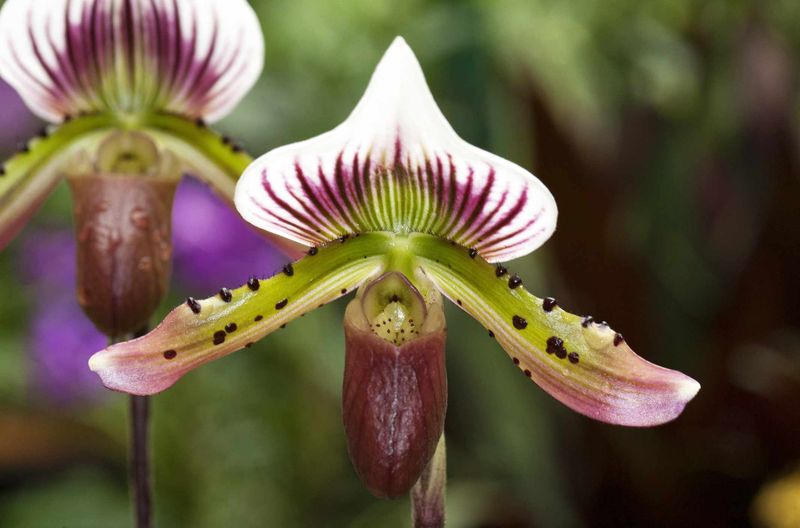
667 131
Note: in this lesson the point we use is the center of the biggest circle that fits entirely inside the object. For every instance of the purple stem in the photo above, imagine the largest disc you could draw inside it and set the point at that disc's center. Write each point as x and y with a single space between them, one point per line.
140 461
141 493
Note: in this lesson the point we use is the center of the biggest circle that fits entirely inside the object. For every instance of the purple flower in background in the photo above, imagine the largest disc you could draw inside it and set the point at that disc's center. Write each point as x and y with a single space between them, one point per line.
61 337
212 246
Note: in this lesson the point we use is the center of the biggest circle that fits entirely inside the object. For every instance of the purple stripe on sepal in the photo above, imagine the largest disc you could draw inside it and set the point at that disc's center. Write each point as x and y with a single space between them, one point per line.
417 176
191 58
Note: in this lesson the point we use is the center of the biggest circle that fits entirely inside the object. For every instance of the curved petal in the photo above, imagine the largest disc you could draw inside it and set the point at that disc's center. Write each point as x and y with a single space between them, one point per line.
200 331
585 365
396 165
28 177
192 57
210 157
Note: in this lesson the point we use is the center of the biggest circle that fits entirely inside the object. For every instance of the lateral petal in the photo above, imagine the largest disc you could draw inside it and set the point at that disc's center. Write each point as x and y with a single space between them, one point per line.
583 364
201 331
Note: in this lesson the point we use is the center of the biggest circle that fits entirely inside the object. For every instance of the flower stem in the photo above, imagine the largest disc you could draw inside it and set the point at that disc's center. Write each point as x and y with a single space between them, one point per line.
428 494
139 460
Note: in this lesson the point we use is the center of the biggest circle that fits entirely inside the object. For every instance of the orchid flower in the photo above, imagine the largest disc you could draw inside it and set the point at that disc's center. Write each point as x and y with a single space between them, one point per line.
393 204
127 87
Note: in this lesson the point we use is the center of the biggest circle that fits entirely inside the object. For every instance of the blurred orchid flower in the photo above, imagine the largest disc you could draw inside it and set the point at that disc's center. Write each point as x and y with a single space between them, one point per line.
60 338
393 203
131 84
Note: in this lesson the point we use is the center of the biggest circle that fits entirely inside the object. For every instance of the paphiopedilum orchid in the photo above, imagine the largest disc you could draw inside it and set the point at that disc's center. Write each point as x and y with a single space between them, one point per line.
395 205
127 86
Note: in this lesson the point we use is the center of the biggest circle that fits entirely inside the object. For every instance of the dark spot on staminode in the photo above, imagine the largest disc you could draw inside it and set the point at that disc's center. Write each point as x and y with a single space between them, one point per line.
458 301
231 328
514 281
519 322
193 305
548 304
515 360
394 298
573 357
587 321
280 305
313 251
618 339
226 295
170 354
219 337
253 283
491 334
258 318
499 270
528 373
288 270
344 290
473 253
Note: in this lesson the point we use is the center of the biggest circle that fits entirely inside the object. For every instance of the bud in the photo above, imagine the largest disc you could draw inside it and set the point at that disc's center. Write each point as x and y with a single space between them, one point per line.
123 207
395 384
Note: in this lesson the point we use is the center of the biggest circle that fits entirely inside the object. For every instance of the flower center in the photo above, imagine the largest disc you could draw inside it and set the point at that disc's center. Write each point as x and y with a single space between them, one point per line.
395 324
394 308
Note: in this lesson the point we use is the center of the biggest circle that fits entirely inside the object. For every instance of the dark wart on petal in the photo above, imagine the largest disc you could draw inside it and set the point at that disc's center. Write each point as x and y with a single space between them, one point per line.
473 253
193 305
514 281
258 318
548 304
281 304
618 339
519 322
253 284
555 345
313 251
226 295
573 357
219 337
499 271
587 321
231 328
288 270
170 354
